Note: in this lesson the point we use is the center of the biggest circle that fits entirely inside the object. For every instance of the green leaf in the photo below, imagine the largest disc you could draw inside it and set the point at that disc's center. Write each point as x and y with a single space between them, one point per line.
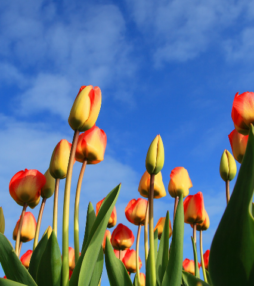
190 280
195 258
155 244
173 273
117 273
13 268
51 264
83 271
7 282
97 269
2 221
162 258
209 280
148 271
90 218
231 260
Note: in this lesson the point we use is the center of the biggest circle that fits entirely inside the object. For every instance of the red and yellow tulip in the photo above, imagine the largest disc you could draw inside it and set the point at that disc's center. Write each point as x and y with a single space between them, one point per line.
122 237
206 258
113 217
28 228
179 183
189 266
26 257
194 211
238 144
135 211
160 226
129 261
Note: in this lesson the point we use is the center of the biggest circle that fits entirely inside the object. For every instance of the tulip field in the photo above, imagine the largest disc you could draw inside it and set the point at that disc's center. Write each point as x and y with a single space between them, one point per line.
229 261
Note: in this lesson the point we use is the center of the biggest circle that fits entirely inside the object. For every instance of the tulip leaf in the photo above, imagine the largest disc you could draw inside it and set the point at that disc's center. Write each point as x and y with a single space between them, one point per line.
195 258
2 221
231 260
51 264
13 268
83 271
117 273
90 218
162 258
7 282
209 280
97 269
190 280
173 273
148 271
155 244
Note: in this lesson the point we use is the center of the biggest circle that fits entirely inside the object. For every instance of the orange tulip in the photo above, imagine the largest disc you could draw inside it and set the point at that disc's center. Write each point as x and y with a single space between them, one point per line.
60 159
113 217
243 111
160 226
86 108
28 228
238 144
107 234
142 279
129 261
179 183
206 258
144 186
25 187
194 211
122 237
189 266
91 146
122 253
135 211
72 258
205 224
26 257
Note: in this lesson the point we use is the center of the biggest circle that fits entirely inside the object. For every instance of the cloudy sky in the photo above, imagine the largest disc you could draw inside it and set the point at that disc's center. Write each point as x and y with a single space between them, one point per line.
164 67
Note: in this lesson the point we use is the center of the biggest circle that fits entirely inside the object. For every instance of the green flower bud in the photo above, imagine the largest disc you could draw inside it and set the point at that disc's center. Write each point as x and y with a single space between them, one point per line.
48 189
155 156
228 167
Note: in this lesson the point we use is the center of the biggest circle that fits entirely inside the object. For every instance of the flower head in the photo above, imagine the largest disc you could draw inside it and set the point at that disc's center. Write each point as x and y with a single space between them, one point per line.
135 211
155 156
129 261
189 266
206 258
113 217
179 183
160 227
122 237
26 257
28 228
238 144
194 210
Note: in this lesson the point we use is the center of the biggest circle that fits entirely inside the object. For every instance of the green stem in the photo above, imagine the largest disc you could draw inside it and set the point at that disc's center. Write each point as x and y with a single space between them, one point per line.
202 258
76 212
227 191
38 226
175 206
146 233
55 207
19 229
66 213
137 253
20 245
194 233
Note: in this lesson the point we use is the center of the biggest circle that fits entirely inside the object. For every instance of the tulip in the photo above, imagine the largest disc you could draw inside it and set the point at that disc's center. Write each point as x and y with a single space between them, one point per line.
142 279
26 257
206 258
194 211
122 237
86 108
48 189
189 266
160 226
120 253
107 234
243 111
227 166
91 146
144 186
135 211
238 144
113 217
28 228
25 187
129 261
71 258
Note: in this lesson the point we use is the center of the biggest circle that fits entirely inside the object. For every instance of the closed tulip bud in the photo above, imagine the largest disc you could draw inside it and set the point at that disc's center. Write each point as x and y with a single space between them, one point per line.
86 108
135 211
160 226
189 266
205 224
243 111
60 159
122 253
25 187
129 261
179 183
2 221
227 166
28 228
155 156
26 257
122 237
238 144
113 217
48 189
144 186
194 210
91 146
206 258
107 234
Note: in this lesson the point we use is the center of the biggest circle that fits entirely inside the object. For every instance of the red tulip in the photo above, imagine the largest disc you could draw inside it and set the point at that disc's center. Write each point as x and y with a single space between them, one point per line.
206 258
25 187
179 183
122 237
107 234
160 226
238 144
189 266
113 217
135 211
194 211
122 253
26 257
28 228
129 261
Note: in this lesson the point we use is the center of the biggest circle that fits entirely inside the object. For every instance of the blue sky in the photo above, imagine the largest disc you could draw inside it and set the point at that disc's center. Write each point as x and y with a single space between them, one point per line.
164 67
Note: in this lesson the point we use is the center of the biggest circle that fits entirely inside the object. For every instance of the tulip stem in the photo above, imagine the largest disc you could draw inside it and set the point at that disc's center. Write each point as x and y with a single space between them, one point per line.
137 253
66 212
55 207
20 245
151 234
175 206
119 254
38 226
146 233
202 258
194 233
76 211
19 229
227 191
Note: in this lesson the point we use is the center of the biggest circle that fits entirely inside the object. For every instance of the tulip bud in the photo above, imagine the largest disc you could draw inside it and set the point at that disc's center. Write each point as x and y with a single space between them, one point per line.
122 237
227 166
129 261
71 258
60 159
91 146
142 279
155 156
204 225
206 258
28 228
179 182
107 234
113 217
189 266
25 187
2 221
122 253
144 186
86 108
48 189
26 257
160 227
135 211
238 144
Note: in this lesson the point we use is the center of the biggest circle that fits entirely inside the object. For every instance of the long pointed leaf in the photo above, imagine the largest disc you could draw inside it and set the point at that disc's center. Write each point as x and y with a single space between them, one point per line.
195 258
7 282
209 280
97 270
90 218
